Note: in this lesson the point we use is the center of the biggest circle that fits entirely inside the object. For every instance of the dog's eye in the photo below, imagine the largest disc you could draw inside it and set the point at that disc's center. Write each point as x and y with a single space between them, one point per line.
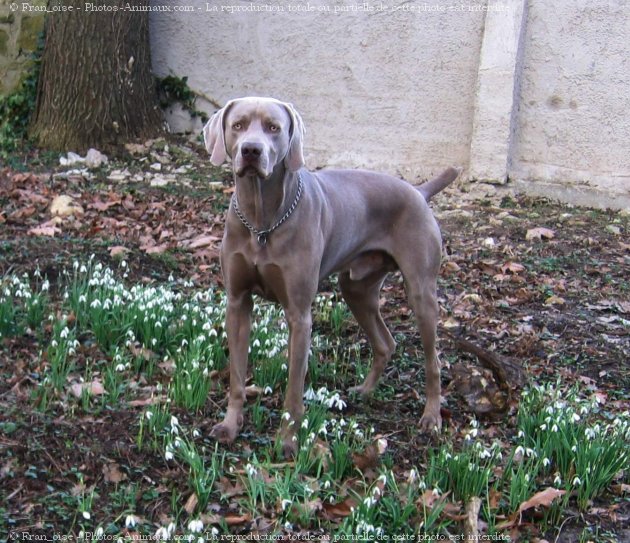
274 128
237 126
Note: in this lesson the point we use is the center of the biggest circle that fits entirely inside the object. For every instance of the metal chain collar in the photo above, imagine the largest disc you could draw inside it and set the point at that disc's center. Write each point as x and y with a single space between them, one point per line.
263 235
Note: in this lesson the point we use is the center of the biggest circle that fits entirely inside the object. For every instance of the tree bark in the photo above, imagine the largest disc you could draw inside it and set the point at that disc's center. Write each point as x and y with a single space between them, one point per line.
96 88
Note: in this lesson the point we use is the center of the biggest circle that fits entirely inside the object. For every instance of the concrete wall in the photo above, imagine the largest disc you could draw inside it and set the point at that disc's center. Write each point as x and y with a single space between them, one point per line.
573 123
390 89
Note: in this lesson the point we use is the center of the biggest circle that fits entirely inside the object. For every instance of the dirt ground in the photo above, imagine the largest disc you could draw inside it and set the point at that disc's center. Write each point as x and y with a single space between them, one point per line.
539 288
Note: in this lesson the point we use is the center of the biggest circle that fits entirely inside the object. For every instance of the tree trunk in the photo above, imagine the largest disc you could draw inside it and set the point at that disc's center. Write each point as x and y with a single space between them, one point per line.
96 88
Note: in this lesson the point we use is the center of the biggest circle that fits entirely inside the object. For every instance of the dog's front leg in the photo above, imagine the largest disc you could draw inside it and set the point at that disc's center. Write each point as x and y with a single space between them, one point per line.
300 324
238 325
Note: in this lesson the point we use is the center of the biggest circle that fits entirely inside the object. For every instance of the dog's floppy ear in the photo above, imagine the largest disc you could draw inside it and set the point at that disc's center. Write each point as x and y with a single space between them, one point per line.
295 156
214 135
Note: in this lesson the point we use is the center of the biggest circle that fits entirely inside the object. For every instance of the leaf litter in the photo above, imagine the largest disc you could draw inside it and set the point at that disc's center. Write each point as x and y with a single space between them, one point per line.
529 291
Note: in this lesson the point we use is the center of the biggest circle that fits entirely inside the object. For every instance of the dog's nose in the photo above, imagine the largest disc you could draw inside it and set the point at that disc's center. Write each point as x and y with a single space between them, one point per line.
251 150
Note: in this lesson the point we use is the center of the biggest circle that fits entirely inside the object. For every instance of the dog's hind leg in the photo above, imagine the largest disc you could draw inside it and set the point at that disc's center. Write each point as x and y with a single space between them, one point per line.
362 297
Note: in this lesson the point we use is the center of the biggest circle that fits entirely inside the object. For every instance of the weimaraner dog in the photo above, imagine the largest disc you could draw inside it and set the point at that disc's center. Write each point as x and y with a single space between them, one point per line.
288 228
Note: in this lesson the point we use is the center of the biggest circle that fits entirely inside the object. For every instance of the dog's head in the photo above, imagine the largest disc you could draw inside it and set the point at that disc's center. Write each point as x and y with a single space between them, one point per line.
257 134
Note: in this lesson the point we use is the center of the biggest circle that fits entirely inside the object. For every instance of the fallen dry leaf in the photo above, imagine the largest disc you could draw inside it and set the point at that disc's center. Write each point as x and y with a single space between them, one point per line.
513 267
544 498
334 511
203 241
95 388
46 229
118 251
539 233
191 503
64 206
555 300
233 519
112 473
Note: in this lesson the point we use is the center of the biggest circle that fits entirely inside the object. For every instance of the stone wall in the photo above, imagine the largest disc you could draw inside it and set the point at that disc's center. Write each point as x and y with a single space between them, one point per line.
19 33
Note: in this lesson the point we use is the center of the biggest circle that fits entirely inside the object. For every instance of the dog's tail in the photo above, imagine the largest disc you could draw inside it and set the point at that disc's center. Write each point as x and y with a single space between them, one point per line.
435 185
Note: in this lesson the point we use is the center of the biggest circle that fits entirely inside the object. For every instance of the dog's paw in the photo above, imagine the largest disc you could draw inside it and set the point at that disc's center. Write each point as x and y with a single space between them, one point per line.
430 423
224 433
364 390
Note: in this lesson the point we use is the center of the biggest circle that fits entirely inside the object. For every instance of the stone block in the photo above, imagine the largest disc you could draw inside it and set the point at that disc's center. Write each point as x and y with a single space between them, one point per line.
30 28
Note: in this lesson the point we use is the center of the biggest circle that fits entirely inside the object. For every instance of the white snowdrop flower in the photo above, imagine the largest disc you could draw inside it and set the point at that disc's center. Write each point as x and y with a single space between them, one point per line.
485 454
436 491
86 515
575 417
546 462
576 481
286 415
250 470
120 367
169 454
162 533
64 333
543 427
284 367
196 433
99 532
83 269
131 521
285 503
304 424
554 428
268 390
149 415
213 333
369 501
195 526
154 342
45 286
95 303
54 344
557 480
326 484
